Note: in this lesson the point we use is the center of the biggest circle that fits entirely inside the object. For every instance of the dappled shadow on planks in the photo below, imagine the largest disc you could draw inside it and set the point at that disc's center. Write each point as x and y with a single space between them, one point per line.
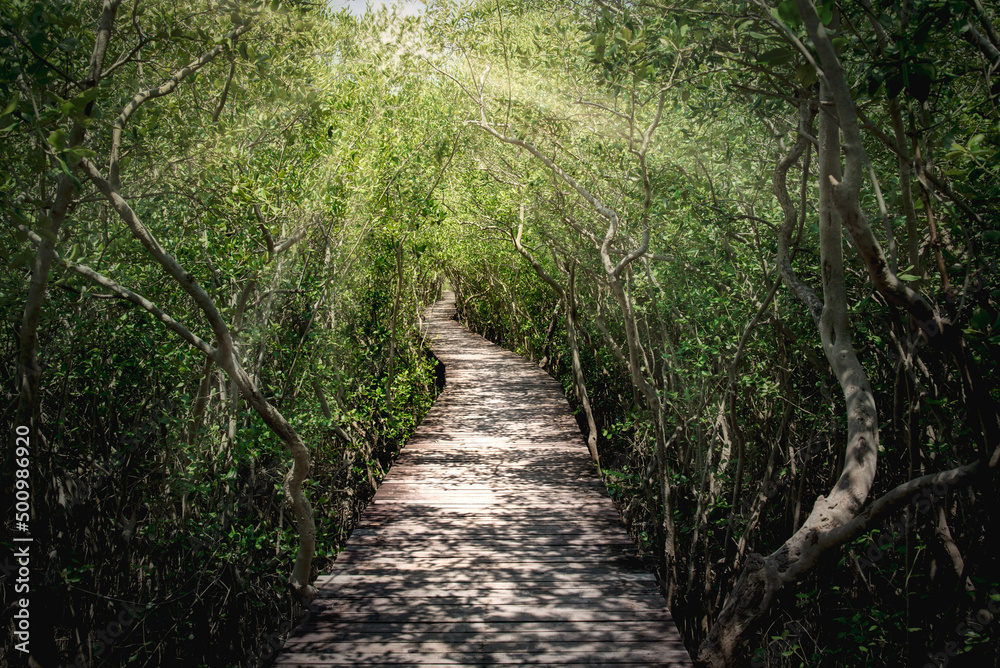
491 541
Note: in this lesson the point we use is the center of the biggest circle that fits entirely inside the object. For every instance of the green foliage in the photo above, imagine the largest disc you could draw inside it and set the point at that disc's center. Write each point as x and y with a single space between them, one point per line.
160 494
733 77
362 135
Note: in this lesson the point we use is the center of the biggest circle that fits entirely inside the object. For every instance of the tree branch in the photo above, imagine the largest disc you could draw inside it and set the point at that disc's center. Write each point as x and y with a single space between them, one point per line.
167 261
133 297
165 88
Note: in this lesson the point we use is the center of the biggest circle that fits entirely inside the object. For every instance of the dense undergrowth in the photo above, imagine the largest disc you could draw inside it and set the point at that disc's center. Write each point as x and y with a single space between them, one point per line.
167 545
756 242
236 293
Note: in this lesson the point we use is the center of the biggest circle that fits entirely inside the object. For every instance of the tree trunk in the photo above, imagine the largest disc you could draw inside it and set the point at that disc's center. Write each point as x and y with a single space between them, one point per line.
201 401
763 577
578 377
226 357
391 368
27 408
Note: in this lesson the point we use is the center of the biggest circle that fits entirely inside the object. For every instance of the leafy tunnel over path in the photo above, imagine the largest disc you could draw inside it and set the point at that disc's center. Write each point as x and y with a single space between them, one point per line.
755 242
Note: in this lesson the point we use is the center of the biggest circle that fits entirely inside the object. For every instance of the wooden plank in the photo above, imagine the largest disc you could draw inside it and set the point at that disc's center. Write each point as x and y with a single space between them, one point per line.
491 541
497 540
383 573
473 644
543 591
556 599
482 577
315 631
637 655
450 614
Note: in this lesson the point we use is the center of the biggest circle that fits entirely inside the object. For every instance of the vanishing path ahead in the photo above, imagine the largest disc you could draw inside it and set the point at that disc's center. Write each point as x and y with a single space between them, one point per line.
491 540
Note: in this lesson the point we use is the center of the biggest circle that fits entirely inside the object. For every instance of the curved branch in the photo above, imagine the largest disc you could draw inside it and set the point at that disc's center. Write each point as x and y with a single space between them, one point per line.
165 88
42 59
167 261
897 497
846 190
600 207
780 189
133 297
30 375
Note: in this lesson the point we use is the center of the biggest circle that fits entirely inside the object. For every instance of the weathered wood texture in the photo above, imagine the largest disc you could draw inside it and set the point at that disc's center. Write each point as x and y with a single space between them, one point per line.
491 541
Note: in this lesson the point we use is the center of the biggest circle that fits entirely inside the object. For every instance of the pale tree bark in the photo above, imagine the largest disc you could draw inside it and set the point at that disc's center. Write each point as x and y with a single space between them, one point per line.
572 319
987 41
275 250
933 326
838 517
166 88
28 412
764 577
845 189
225 355
201 400
553 319
779 188
225 91
232 407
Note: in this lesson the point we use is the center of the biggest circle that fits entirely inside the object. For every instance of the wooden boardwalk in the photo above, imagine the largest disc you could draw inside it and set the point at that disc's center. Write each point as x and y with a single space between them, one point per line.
491 540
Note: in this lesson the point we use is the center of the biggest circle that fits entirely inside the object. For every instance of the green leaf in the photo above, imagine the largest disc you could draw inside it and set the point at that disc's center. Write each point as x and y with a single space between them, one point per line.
86 97
599 46
25 257
57 140
778 56
69 44
894 84
79 153
806 75
788 12
825 12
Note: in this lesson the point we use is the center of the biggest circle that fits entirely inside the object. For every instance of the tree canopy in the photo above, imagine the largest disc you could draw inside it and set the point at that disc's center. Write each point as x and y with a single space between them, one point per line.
756 241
